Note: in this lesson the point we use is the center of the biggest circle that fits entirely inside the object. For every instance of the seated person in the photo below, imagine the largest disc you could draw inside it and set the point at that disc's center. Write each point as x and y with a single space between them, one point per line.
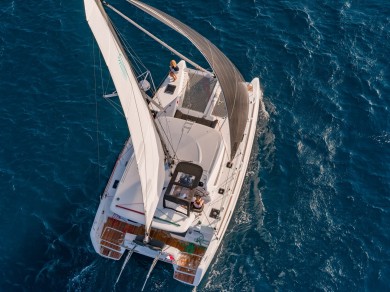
173 69
198 203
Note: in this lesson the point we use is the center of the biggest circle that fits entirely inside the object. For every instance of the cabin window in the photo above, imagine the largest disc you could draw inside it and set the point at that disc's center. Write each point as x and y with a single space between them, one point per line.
170 89
115 185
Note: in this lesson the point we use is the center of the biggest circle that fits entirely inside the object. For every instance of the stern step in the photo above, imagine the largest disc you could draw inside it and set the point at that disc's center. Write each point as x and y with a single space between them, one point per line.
112 238
189 279
110 253
186 270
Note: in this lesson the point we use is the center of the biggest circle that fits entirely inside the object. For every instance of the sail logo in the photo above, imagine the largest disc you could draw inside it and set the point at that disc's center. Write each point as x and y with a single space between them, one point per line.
122 66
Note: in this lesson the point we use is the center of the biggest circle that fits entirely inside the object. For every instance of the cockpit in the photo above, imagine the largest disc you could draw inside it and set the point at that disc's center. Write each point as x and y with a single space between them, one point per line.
183 188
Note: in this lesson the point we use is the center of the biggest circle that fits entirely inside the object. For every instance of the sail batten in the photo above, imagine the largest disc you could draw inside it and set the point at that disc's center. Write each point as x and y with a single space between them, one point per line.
146 142
230 79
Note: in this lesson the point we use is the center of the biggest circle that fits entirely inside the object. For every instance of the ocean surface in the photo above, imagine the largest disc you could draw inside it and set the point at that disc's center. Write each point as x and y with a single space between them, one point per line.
313 214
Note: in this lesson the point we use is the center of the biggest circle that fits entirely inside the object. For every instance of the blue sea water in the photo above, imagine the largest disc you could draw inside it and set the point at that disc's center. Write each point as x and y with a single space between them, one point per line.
314 210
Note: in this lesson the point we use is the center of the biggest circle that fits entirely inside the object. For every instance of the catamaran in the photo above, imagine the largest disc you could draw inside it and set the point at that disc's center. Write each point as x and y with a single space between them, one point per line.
175 184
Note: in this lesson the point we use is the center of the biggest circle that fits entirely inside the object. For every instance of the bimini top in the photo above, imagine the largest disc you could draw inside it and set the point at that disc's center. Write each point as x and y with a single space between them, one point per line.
230 79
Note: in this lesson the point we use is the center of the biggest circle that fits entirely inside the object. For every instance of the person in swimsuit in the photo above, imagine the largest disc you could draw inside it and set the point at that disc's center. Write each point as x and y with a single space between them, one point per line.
198 203
173 69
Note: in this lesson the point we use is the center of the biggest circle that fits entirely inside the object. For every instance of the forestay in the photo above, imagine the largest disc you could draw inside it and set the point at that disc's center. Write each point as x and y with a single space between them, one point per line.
146 142
231 81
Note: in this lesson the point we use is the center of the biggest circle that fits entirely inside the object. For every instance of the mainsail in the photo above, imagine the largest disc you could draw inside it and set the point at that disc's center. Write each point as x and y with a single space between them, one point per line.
230 79
147 145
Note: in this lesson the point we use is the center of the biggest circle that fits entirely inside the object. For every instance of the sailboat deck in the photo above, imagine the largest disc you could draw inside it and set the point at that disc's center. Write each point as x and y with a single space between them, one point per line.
114 231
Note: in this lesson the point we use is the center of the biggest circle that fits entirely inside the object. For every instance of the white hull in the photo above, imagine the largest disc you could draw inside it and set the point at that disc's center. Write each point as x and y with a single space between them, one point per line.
240 164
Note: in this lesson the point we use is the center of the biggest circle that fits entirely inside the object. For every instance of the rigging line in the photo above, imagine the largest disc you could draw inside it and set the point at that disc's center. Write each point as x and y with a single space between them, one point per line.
165 134
96 109
130 51
101 73
134 57
116 107
215 231
154 37
138 62
204 212
188 111
154 86
169 139
125 46
182 132
227 181
224 119
104 90
155 93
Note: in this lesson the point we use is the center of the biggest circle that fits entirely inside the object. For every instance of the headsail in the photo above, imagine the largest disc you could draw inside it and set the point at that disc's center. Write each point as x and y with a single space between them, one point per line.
230 79
146 142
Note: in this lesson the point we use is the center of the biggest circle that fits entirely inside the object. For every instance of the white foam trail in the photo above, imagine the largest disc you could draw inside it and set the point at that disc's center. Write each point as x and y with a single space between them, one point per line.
79 282
129 253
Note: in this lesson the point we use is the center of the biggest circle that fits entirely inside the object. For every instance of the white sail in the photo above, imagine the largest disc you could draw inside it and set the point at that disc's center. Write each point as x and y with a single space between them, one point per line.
147 145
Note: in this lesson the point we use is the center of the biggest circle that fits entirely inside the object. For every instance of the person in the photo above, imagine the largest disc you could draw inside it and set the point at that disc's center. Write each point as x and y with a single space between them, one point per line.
173 69
198 203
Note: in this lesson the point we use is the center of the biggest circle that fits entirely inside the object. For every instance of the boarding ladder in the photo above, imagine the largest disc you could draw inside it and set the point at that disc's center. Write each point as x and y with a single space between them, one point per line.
186 267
